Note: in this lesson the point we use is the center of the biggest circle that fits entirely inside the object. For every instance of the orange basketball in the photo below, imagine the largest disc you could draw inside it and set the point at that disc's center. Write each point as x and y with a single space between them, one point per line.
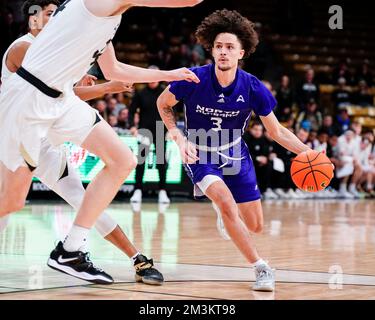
311 171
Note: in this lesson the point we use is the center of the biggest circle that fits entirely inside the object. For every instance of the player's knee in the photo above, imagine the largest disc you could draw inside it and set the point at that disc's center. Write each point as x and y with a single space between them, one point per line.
258 228
228 211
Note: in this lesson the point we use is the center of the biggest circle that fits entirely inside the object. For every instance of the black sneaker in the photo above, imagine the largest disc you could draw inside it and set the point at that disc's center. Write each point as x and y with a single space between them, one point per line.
144 271
77 264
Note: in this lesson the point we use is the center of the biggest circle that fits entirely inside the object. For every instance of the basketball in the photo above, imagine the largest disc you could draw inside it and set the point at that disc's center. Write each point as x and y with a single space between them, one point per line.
311 171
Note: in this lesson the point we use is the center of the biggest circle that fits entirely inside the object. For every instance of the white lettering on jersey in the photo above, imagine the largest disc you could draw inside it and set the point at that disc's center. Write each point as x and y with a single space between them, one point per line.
240 99
216 112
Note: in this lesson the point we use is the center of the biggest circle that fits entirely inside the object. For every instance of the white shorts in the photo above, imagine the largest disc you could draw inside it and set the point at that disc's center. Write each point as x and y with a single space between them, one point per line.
27 116
53 162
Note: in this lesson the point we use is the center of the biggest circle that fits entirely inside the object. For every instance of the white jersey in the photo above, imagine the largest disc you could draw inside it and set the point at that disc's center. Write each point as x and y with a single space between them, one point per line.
5 73
69 45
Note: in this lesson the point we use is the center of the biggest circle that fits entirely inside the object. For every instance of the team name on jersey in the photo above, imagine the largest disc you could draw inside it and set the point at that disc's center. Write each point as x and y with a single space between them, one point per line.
216 112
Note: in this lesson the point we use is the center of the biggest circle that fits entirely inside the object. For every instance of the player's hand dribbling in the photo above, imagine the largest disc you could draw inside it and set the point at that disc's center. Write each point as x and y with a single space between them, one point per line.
183 74
188 151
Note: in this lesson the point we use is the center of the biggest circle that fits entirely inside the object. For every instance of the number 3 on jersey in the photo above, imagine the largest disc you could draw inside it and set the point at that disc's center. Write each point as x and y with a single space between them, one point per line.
217 122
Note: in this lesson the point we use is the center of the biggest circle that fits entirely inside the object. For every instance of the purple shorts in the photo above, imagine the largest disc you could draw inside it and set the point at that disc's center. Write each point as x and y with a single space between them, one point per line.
234 167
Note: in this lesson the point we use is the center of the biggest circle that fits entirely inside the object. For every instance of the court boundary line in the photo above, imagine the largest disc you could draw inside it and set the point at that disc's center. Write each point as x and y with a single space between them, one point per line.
249 267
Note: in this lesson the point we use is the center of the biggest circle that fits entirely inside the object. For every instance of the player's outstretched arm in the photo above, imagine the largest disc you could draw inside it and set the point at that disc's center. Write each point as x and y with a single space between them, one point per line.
165 104
115 70
117 7
164 3
282 135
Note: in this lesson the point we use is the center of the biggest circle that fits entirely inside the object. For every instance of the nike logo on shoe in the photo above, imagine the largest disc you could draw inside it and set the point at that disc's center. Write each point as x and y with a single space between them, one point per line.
61 260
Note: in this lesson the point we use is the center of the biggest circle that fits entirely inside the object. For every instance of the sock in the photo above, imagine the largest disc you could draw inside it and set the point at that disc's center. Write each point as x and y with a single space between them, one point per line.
259 263
76 240
369 186
134 258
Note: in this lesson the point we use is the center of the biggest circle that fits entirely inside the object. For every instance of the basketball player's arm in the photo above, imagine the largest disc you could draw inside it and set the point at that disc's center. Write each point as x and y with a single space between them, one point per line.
115 70
86 93
116 7
163 3
282 135
16 54
165 104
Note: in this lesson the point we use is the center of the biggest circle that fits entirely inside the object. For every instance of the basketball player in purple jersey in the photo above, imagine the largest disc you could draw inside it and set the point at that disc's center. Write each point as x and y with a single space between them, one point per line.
220 166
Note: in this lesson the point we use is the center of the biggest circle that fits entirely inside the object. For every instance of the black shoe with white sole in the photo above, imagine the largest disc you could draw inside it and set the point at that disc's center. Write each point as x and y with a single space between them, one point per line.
145 272
77 264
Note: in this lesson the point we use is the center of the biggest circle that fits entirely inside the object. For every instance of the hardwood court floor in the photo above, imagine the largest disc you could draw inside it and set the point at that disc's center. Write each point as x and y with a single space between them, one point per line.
320 249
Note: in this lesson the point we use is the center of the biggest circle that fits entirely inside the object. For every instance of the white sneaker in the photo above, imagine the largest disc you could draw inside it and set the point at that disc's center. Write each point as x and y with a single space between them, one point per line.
291 194
280 192
220 223
301 194
137 196
269 194
163 197
345 195
355 193
264 279
334 193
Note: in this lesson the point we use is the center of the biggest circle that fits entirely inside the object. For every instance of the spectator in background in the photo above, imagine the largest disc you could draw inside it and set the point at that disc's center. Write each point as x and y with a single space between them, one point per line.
308 89
368 167
365 74
123 121
285 99
363 97
112 120
196 49
330 127
348 156
310 118
101 106
321 142
342 71
312 139
120 101
343 120
113 107
259 149
144 103
290 123
341 96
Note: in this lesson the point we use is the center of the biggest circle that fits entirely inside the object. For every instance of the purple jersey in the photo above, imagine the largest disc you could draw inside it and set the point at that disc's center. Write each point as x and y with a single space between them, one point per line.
225 111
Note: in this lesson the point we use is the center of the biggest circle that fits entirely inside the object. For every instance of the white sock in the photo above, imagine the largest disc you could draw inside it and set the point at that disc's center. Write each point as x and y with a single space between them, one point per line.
259 263
135 257
76 240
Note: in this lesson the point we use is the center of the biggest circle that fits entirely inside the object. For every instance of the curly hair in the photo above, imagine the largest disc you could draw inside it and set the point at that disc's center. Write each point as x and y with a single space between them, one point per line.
27 6
226 21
